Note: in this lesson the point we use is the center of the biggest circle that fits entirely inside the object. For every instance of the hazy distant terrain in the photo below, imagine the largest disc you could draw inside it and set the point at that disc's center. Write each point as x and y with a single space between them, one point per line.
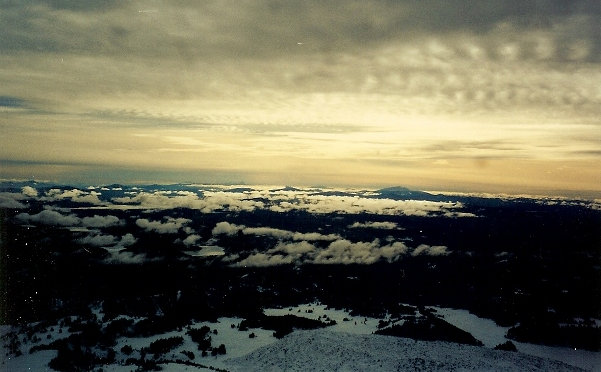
108 265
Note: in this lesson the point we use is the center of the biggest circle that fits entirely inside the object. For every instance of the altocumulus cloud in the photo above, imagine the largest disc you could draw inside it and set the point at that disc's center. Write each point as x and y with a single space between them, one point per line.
534 60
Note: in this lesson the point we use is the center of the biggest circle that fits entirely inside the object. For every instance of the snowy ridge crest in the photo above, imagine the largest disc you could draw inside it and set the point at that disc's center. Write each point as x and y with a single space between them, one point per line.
321 350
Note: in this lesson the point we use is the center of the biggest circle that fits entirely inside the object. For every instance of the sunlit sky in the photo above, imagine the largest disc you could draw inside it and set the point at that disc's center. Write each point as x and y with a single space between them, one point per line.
501 96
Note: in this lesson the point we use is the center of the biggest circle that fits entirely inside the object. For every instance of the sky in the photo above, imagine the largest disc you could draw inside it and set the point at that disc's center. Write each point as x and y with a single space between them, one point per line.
491 96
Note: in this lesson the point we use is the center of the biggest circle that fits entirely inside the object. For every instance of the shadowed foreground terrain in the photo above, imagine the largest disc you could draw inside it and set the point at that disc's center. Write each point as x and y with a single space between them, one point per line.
116 275
328 351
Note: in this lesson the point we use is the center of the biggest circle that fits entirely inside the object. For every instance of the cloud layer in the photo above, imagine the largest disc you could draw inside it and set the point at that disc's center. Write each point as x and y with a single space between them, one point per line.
431 93
309 200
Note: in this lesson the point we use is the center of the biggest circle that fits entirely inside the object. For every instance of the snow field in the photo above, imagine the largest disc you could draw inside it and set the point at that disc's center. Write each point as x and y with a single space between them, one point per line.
349 345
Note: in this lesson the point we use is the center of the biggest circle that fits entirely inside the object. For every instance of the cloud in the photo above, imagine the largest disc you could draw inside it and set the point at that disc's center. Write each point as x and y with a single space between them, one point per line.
341 251
158 200
29 191
393 251
11 200
210 202
98 240
315 201
346 252
49 217
108 241
226 228
286 234
230 201
127 240
259 29
295 249
436 250
191 240
223 87
124 257
314 236
100 221
75 195
262 260
53 217
374 225
170 226
233 229
355 205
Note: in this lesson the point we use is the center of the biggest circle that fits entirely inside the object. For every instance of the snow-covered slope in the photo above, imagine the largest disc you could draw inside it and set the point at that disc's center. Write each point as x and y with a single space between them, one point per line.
348 345
323 350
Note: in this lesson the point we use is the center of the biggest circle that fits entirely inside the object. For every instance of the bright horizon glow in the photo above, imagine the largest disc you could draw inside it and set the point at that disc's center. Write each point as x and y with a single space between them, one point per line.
490 97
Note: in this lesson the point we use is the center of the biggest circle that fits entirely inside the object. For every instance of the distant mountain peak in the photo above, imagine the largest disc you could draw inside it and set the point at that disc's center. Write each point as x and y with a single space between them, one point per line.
400 192
286 188
395 189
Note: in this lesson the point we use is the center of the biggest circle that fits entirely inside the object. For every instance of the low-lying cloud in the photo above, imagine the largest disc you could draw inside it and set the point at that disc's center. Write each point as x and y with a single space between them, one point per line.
98 240
312 201
227 228
74 195
100 221
191 240
341 251
346 252
293 248
262 260
11 200
53 217
29 191
108 241
125 257
127 240
374 225
49 217
169 226
210 202
324 204
436 250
